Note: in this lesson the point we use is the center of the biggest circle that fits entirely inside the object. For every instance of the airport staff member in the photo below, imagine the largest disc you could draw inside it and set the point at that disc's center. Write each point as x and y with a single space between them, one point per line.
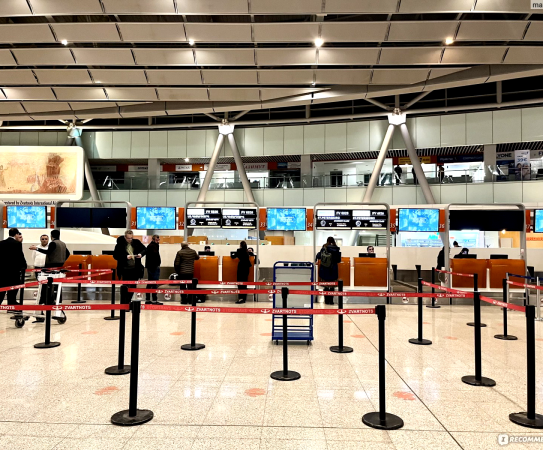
56 253
329 256
12 264
370 249
184 267
128 253
39 258
152 264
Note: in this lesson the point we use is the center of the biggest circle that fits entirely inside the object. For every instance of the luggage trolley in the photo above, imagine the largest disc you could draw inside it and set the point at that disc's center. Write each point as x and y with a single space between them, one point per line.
303 328
59 316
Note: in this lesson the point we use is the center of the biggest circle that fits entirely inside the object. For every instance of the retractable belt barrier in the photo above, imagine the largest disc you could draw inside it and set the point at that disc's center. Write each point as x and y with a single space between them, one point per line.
470 275
61 307
503 304
529 286
270 283
526 277
457 293
57 280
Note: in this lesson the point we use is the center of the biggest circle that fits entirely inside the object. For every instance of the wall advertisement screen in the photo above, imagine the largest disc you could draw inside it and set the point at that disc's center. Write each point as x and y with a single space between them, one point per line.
155 218
538 221
286 219
425 220
27 217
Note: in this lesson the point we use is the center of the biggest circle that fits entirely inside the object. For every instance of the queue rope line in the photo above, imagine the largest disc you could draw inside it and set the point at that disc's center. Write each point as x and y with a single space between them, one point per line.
270 283
502 304
529 286
450 290
56 280
89 307
526 277
470 275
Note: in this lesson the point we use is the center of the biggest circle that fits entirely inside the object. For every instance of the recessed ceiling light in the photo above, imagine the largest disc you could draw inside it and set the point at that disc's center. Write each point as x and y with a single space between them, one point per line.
186 160
319 42
64 42
449 41
191 41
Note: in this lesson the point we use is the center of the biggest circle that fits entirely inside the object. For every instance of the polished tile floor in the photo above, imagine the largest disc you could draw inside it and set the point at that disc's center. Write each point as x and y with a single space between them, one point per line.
222 397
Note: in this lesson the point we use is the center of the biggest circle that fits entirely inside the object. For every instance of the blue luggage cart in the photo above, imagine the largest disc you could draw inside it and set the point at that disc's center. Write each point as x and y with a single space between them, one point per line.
300 328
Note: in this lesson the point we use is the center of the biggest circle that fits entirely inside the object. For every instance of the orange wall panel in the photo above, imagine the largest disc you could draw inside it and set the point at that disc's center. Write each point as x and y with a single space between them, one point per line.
263 219
310 217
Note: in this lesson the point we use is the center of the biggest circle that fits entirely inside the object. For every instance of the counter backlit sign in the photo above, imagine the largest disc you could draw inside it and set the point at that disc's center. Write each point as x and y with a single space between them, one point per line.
204 218
369 218
239 218
334 218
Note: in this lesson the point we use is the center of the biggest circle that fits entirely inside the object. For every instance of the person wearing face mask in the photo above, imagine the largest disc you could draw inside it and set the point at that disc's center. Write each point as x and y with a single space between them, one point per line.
12 265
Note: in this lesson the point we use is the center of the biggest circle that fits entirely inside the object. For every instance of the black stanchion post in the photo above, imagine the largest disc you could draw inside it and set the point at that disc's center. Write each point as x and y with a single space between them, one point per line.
22 290
529 418
505 336
49 301
433 305
79 289
133 415
477 379
395 271
340 348
112 315
475 289
285 374
120 368
419 271
381 419
193 345
419 340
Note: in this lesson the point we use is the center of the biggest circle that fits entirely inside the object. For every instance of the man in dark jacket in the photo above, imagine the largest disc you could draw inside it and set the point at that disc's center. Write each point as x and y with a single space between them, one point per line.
128 253
184 267
12 264
56 253
152 264
329 257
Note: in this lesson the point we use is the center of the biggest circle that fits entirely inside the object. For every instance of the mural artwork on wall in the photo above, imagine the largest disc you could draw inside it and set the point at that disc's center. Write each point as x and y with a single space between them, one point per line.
41 172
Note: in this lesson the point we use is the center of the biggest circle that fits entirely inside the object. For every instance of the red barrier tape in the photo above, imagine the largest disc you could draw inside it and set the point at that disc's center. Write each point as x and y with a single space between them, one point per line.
269 283
461 294
529 286
279 311
61 307
56 280
503 304
455 273
278 291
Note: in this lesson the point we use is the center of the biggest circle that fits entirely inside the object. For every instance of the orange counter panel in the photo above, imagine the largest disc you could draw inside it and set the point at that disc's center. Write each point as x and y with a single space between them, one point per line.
207 268
73 262
499 267
344 270
472 266
371 272
230 267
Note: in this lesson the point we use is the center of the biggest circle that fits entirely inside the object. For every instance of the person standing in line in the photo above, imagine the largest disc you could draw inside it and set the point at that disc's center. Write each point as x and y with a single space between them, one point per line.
398 170
128 253
56 253
184 267
152 264
415 181
441 174
244 266
330 257
39 257
12 264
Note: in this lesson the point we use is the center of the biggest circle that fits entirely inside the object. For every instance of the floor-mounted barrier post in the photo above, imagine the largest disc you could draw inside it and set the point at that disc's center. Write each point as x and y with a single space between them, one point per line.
529 418
285 374
193 345
79 283
433 305
22 290
381 419
112 315
475 289
340 348
419 271
395 271
133 415
419 339
49 301
477 379
538 300
505 336
121 368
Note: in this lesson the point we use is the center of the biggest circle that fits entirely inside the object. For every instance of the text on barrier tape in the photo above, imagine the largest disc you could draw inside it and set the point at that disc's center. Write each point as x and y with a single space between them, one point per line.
73 280
454 291
503 304
295 292
456 273
133 282
529 286
61 307
277 311
270 283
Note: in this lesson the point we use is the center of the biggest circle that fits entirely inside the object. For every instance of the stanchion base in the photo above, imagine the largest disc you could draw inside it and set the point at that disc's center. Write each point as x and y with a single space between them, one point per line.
123 419
433 306
192 347
484 381
521 419
280 375
116 370
391 422
472 324
112 318
79 301
338 349
506 337
421 342
46 345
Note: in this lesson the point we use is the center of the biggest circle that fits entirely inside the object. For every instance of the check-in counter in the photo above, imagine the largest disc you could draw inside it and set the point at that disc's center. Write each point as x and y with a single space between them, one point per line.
74 261
344 270
462 265
499 267
207 268
103 262
371 272
230 268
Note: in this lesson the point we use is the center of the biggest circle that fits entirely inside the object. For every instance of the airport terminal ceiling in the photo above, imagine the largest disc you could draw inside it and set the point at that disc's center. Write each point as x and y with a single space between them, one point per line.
138 64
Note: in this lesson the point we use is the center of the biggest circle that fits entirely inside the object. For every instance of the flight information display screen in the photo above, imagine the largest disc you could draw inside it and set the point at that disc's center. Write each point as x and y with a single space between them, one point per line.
155 218
239 218
369 218
334 218
27 217
204 218
286 219
426 220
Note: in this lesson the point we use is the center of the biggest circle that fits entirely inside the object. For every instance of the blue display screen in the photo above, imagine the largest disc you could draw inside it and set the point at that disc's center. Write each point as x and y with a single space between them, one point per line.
151 218
426 220
27 217
286 219
538 220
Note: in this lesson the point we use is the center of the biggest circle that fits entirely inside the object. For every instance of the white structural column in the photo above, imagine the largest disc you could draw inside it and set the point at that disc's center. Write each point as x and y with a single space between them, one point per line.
379 164
489 161
239 166
429 197
153 172
211 168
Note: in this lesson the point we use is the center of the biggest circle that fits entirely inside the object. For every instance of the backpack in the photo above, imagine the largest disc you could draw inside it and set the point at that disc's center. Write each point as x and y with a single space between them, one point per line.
326 257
